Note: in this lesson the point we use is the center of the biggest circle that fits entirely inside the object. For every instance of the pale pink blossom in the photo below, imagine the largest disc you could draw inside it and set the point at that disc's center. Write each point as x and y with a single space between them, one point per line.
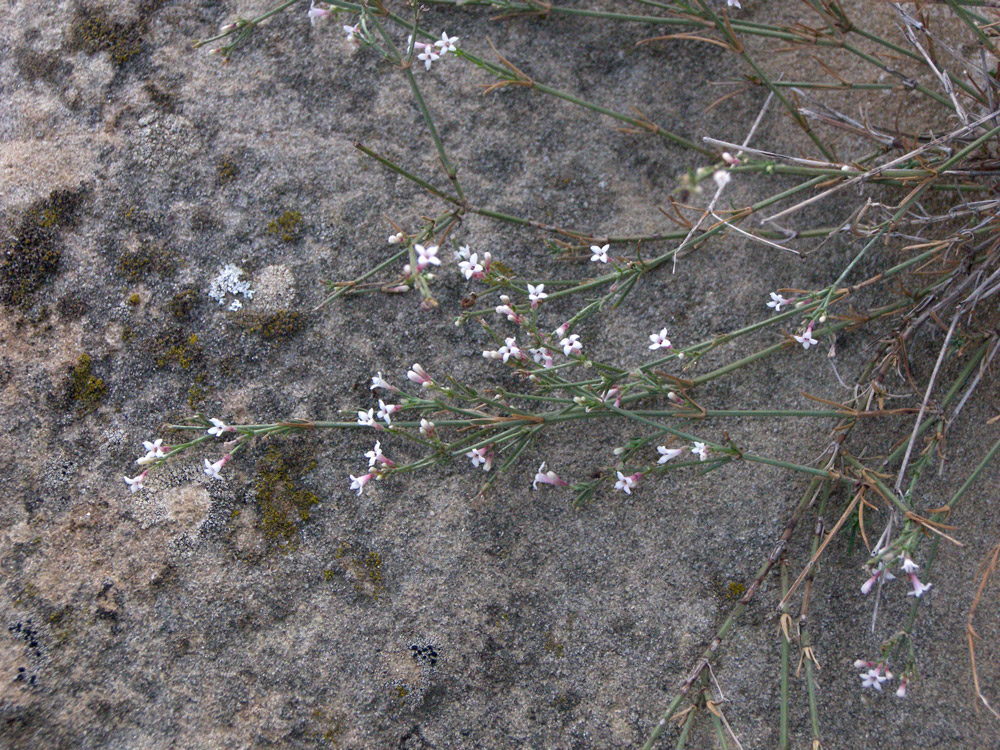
352 32
135 483
375 456
806 339
908 565
542 356
367 419
547 477
777 301
668 454
213 469
358 483
379 382
397 238
481 457
317 12
418 375
385 411
219 428
626 483
446 43
428 55
426 256
426 428
919 589
701 451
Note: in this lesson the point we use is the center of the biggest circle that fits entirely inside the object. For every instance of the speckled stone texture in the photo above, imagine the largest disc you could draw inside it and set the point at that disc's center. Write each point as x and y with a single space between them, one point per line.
278 608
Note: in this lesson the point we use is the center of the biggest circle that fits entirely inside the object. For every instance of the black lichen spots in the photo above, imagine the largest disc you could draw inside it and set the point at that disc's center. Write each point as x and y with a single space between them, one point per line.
28 634
31 256
282 506
424 654
288 226
85 390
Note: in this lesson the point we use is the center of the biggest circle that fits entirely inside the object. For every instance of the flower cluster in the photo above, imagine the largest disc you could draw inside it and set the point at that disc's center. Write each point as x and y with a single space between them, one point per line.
909 569
431 53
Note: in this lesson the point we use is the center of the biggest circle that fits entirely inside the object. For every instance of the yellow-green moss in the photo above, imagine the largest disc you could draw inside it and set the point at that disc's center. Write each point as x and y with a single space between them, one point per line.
735 589
135 265
329 574
281 506
196 396
182 304
288 226
86 390
133 299
227 169
94 32
552 645
174 347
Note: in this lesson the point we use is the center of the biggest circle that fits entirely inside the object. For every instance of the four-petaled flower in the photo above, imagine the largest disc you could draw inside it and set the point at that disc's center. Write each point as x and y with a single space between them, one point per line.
385 411
660 340
625 484
154 451
418 375
135 483
806 339
426 256
571 344
213 469
701 451
367 419
446 43
470 266
358 483
777 301
375 456
547 477
428 55
379 382
599 254
918 588
481 457
510 349
219 428
668 454
874 678
908 565
536 294
542 356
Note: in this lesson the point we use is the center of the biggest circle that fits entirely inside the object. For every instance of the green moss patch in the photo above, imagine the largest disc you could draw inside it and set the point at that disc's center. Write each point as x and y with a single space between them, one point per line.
281 506
86 390
288 226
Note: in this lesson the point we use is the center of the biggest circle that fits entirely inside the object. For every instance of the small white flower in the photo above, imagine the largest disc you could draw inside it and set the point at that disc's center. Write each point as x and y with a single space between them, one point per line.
379 382
668 454
385 411
625 484
701 451
777 301
317 12
510 349
806 339
722 178
901 691
536 294
659 340
358 483
733 4
428 56
542 356
919 589
506 309
470 267
352 32
213 469
599 254
135 484
156 449
219 428
446 43
426 256
367 419
873 678
908 565
463 253
571 345
426 427
481 457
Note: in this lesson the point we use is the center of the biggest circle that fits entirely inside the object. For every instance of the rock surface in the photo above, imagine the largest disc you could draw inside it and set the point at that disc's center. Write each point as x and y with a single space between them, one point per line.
278 608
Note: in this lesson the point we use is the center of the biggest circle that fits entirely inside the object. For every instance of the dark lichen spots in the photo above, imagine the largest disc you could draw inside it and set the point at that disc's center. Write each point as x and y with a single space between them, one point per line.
46 66
163 100
86 390
93 31
183 303
281 324
31 256
288 226
71 307
282 506
136 264
227 169
203 220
